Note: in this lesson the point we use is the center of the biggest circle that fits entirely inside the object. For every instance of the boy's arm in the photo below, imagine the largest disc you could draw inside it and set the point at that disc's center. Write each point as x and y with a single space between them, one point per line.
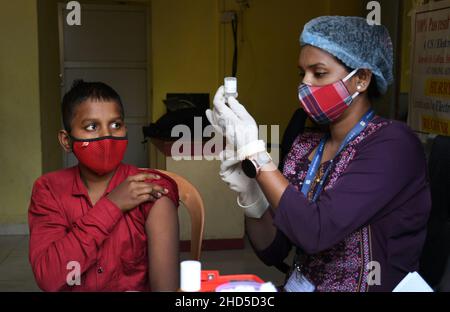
54 243
162 230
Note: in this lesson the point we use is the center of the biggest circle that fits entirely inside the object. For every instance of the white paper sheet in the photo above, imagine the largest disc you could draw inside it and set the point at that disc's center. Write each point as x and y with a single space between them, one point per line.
413 282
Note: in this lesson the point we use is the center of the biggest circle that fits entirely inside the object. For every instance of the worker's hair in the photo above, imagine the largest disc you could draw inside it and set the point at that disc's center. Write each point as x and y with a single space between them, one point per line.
82 91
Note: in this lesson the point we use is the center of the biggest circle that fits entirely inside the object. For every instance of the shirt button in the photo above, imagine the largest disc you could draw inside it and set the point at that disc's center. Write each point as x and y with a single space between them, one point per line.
100 270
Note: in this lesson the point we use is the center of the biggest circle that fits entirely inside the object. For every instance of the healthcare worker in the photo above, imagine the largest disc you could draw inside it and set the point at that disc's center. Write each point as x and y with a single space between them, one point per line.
353 201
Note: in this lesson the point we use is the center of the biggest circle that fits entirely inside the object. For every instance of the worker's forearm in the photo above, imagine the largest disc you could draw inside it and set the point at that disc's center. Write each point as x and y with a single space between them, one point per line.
273 184
261 232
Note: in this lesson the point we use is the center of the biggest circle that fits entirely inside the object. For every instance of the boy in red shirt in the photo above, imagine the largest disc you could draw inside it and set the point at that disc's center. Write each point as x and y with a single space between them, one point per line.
102 225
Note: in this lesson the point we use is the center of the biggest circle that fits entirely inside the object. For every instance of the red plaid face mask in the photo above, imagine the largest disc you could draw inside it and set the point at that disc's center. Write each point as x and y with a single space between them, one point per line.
100 155
326 104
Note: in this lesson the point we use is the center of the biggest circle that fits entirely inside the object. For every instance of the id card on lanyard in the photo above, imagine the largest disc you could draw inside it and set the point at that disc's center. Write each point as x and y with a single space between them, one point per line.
297 281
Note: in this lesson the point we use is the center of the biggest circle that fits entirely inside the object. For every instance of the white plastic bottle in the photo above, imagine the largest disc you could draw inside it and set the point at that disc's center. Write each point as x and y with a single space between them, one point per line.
190 276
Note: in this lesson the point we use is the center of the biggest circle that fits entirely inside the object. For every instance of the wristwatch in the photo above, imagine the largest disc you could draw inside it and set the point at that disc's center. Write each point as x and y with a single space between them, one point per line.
252 164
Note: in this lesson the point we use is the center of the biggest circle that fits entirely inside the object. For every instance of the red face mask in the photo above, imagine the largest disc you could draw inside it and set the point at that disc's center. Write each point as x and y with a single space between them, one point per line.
101 155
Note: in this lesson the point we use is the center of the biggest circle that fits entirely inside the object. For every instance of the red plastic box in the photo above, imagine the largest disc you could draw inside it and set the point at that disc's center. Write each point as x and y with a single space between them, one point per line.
212 279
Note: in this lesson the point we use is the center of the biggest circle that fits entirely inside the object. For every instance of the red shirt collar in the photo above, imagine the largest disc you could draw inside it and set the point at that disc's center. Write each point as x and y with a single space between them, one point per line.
79 189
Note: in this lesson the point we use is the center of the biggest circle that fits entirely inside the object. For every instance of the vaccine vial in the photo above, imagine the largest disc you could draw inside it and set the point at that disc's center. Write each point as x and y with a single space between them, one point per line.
230 84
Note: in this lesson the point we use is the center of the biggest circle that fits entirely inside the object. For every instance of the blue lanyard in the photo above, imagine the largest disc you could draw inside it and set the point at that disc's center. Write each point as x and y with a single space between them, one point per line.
314 167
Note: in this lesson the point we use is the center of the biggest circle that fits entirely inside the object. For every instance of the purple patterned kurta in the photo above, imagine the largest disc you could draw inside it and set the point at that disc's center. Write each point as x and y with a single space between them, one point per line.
374 207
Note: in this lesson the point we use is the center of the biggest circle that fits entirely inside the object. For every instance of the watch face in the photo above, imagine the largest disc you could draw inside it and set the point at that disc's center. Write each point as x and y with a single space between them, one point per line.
249 168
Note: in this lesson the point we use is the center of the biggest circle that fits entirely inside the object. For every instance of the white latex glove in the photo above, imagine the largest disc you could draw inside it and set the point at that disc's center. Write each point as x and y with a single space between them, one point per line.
236 124
250 197
232 174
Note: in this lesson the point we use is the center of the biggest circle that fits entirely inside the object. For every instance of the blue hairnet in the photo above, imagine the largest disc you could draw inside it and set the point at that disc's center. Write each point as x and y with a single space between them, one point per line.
356 43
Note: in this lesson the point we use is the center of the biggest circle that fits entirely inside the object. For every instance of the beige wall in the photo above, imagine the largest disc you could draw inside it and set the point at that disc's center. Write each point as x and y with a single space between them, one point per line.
405 79
185 48
49 84
20 134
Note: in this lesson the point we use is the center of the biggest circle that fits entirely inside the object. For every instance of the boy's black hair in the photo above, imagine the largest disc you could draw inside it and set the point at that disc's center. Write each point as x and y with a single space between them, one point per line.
82 91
